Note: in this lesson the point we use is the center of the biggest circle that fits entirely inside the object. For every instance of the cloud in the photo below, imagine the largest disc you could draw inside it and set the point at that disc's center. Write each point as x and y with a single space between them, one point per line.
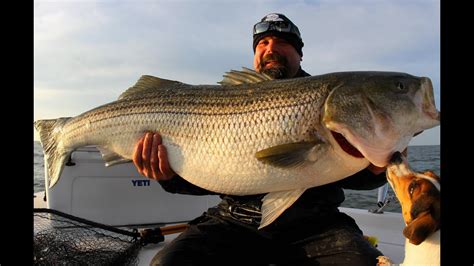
88 52
378 35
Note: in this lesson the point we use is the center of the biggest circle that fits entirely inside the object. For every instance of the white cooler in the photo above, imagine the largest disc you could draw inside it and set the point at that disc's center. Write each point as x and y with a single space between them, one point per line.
118 195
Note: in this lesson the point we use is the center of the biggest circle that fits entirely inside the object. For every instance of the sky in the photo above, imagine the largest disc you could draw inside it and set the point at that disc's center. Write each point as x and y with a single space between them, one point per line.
87 52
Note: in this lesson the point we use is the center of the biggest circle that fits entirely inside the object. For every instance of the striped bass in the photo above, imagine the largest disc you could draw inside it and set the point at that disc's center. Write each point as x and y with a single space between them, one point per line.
252 134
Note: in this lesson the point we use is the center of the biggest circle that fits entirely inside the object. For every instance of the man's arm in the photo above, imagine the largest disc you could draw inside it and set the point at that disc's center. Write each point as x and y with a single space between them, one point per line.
151 160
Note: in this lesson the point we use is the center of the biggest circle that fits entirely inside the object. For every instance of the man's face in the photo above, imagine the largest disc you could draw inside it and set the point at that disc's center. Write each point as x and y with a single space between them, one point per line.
276 57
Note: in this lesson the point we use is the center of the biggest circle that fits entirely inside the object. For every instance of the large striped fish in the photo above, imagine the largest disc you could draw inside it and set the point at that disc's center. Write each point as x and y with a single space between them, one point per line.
254 135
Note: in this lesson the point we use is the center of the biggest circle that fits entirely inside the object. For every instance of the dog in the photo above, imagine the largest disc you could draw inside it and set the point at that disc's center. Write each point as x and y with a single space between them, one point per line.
419 197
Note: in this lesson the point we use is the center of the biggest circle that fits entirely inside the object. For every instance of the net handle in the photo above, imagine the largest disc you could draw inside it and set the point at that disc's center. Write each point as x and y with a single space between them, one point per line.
88 222
165 230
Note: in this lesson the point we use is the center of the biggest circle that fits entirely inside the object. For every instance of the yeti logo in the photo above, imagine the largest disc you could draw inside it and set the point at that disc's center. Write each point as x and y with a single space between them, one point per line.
141 183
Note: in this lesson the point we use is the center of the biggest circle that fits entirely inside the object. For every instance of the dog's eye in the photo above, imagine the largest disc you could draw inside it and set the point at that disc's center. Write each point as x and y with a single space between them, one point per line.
412 187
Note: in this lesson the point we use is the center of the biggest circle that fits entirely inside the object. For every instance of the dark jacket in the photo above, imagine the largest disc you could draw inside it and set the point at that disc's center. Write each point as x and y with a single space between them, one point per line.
313 204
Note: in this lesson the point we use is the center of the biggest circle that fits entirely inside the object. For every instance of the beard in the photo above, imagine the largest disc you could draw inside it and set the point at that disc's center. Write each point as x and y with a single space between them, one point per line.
276 71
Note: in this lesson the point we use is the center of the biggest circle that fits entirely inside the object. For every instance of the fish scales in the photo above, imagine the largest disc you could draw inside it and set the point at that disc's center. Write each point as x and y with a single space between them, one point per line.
273 136
197 123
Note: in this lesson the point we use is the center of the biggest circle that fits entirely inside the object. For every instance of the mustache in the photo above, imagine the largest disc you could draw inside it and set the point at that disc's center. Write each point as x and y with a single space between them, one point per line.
273 57
277 72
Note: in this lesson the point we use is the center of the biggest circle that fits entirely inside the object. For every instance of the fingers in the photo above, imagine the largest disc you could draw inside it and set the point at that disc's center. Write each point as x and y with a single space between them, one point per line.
154 161
146 153
164 165
151 159
137 156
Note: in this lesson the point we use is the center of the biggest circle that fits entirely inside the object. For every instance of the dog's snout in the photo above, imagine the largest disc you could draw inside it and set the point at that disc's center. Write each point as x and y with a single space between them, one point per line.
396 158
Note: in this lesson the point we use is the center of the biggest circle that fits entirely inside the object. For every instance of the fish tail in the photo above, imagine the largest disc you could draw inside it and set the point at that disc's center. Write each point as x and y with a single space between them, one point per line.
50 132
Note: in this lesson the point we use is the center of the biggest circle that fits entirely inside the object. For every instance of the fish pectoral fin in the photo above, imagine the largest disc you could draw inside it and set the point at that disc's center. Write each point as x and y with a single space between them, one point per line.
246 76
290 154
275 203
112 158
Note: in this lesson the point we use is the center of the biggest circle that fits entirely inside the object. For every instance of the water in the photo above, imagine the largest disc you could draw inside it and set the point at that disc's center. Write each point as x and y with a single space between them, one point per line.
420 158
38 166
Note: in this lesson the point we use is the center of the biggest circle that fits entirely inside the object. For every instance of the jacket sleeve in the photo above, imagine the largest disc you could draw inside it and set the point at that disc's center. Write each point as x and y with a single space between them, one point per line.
178 185
363 180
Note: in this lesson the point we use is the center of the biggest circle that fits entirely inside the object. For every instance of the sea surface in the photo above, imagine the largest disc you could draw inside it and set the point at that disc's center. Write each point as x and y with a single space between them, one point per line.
420 158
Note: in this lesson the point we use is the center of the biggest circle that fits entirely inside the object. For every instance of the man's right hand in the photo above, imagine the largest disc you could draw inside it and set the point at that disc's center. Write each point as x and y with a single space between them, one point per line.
150 158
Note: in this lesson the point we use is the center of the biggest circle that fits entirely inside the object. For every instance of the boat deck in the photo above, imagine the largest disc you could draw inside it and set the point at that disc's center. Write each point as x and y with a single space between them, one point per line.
386 227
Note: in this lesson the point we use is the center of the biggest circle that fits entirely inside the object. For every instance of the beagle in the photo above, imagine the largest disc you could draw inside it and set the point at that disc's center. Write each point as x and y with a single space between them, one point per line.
419 197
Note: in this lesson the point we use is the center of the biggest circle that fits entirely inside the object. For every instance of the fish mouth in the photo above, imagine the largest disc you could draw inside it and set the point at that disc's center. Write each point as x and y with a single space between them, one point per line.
346 146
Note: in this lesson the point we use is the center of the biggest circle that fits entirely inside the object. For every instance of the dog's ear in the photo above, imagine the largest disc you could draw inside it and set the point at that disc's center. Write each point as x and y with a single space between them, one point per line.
426 218
420 228
432 175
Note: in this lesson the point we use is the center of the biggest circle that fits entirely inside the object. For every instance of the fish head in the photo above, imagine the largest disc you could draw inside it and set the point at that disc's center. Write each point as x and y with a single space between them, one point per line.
378 113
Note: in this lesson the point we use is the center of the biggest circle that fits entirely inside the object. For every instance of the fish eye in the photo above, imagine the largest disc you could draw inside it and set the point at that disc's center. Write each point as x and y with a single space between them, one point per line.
400 86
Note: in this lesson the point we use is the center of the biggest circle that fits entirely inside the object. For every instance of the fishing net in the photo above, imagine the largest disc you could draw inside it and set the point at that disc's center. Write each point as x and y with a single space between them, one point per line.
62 239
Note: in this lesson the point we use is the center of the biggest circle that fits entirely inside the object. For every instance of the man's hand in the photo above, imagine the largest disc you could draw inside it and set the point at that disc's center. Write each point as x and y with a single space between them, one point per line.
150 158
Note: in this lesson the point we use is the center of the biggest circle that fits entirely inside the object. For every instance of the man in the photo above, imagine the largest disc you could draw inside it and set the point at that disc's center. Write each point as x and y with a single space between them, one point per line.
311 232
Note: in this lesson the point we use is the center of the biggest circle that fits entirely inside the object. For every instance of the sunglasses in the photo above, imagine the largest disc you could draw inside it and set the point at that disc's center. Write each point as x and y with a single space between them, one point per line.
281 26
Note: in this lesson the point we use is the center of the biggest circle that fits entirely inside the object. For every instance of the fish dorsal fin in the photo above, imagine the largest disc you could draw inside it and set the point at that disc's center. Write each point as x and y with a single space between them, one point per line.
146 84
246 76
290 154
